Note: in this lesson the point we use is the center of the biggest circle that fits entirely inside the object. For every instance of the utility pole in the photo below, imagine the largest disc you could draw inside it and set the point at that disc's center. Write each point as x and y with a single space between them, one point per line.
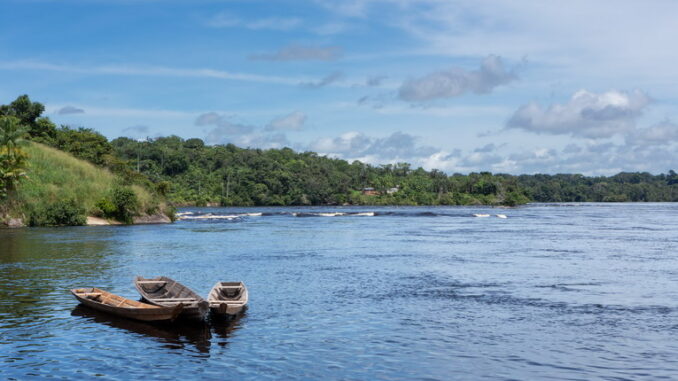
228 183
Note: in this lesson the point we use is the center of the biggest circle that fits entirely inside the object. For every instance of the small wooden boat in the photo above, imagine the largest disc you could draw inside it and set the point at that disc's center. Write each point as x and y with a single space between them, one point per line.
117 305
166 292
228 298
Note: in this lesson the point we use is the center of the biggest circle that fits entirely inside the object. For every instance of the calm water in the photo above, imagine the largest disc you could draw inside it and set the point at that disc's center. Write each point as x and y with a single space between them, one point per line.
585 291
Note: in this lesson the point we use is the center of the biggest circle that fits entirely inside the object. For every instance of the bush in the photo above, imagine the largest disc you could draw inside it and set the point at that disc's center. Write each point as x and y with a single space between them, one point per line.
106 207
60 213
125 202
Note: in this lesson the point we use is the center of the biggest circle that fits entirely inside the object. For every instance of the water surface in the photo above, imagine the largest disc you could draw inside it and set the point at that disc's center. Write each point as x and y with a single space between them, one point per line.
554 291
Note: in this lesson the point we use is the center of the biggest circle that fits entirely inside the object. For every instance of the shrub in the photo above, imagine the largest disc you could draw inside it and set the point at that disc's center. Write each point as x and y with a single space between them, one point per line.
163 188
60 213
125 201
106 207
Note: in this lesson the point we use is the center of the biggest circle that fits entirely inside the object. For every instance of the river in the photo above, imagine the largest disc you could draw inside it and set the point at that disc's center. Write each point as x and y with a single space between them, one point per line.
552 291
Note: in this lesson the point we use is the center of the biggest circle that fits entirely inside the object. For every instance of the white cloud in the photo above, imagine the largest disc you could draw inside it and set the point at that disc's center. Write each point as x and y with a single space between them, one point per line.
290 122
223 127
301 53
136 132
154 71
225 20
603 38
660 134
357 146
263 141
457 81
122 112
586 114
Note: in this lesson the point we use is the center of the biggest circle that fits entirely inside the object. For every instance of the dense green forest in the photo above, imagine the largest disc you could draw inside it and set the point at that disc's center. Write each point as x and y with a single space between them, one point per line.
196 173
189 172
622 187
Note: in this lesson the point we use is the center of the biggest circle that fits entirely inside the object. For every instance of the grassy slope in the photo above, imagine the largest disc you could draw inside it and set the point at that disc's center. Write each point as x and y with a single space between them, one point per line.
55 175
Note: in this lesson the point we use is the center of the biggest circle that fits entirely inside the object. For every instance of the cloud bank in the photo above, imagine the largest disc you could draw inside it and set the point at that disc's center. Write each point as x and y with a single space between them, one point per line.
586 114
356 145
290 122
456 82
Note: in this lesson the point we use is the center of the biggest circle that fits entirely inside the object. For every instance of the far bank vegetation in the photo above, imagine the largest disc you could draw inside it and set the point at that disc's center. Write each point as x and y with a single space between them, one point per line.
53 175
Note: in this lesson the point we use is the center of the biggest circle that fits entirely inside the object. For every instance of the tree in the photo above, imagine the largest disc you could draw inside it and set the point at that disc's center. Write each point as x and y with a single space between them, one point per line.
28 113
12 157
84 143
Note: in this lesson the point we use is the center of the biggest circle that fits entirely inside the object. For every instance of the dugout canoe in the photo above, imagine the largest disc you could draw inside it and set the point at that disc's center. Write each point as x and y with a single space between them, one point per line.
166 292
228 298
105 301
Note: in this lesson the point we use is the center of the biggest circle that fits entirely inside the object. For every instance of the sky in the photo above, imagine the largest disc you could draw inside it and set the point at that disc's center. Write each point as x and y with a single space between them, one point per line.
461 86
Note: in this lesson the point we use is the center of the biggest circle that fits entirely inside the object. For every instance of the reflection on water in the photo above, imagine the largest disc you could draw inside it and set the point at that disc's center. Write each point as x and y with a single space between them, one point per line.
583 291
175 335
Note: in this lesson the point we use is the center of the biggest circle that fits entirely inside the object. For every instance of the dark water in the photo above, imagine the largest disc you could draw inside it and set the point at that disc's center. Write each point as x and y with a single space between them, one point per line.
566 291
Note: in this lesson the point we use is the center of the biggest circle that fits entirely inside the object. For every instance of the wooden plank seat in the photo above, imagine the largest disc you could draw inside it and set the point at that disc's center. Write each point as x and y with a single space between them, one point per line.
166 291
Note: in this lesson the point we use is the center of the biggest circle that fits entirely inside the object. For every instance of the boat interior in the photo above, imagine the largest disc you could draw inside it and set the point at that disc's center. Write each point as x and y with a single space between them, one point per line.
104 297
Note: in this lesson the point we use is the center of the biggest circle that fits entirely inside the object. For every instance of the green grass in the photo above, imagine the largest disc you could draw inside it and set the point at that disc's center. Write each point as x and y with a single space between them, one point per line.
55 176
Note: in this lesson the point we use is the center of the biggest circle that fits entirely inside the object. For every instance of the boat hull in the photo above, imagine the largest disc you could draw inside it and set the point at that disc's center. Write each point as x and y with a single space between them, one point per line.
166 292
128 308
228 298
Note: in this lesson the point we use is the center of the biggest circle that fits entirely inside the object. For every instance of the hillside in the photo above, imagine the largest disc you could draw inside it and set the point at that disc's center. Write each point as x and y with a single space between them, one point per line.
63 190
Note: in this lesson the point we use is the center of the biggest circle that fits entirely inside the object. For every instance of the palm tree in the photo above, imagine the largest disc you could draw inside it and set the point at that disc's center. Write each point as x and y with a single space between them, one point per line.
12 157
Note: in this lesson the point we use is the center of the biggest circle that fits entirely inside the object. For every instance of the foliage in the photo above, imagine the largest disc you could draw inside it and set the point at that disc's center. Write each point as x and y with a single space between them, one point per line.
229 175
40 129
125 202
83 143
12 157
58 213
105 208
56 176
624 186
191 172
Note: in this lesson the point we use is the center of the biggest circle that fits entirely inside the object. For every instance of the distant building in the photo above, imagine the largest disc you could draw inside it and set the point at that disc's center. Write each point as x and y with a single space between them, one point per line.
369 191
392 190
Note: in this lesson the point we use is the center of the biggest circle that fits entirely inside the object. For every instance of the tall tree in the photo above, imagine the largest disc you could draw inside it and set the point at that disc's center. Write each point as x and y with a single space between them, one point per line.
29 113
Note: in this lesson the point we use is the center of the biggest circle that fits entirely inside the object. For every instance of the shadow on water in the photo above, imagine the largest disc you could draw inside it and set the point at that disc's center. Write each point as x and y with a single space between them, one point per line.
173 335
224 327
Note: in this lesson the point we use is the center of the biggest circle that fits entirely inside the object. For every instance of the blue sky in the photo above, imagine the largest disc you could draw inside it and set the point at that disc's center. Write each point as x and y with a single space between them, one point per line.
503 86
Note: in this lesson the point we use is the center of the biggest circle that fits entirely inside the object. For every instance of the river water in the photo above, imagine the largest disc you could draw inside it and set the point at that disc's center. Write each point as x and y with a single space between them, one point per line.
553 291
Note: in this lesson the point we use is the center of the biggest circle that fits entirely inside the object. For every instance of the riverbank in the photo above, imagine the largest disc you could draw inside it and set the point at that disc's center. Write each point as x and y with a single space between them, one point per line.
152 219
62 190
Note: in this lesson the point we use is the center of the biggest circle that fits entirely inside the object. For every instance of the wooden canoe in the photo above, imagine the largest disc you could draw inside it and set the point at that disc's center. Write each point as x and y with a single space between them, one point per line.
117 305
166 292
228 298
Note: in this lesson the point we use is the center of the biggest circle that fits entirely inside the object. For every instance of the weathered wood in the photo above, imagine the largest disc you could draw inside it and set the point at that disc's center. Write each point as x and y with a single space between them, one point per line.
164 291
228 298
172 299
132 309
